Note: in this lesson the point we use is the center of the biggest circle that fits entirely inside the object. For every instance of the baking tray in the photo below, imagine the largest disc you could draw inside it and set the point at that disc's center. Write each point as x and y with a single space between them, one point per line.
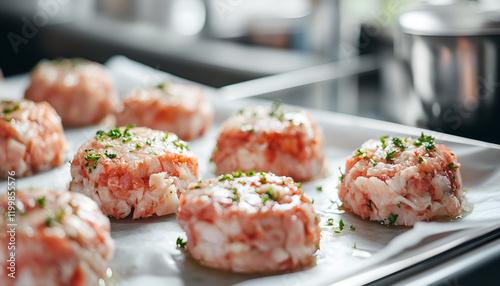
146 253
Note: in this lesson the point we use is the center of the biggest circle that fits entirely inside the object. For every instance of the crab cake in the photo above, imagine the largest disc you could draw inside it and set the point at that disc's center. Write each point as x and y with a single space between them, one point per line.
82 92
31 138
249 223
402 180
271 139
134 168
178 108
60 238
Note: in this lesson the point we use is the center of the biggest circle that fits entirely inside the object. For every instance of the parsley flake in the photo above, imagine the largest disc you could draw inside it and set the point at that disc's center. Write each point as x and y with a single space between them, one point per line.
341 225
41 201
276 110
180 243
389 157
426 141
237 174
180 144
110 155
452 167
398 143
364 154
382 140
249 173
392 218
225 177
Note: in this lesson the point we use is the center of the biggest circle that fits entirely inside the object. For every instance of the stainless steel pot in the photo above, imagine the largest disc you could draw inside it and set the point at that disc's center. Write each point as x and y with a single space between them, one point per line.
452 53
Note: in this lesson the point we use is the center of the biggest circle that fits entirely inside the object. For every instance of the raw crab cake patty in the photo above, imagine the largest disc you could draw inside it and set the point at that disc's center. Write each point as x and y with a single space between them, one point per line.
81 91
61 238
137 168
31 138
271 139
178 108
249 223
402 181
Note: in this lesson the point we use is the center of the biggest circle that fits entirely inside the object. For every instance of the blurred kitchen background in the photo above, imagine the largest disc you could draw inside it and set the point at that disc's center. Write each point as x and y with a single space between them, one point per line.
431 64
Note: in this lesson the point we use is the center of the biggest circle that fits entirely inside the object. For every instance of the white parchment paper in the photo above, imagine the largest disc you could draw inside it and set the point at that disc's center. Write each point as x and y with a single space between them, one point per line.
146 253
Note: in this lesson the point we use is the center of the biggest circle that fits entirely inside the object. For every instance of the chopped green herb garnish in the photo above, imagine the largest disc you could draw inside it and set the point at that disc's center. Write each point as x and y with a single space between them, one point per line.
180 243
160 86
276 110
299 185
336 231
49 221
319 189
197 187
8 110
166 136
341 225
114 133
41 201
392 218
420 159
452 166
329 222
110 155
138 146
399 206
148 142
370 204
109 146
180 144
398 143
426 141
382 140
58 217
263 180
352 227
364 154
94 157
225 177
249 173
237 174
234 196
99 134
264 197
390 155
341 175
271 195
